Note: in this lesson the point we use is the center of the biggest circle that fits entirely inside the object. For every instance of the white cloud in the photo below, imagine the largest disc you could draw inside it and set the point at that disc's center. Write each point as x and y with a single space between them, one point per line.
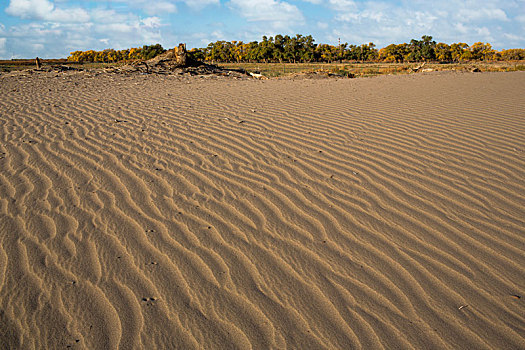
159 7
151 22
29 8
45 10
447 20
277 15
107 16
36 31
62 26
37 47
217 34
419 11
129 32
59 27
3 41
422 20
482 14
199 4
513 39
121 28
342 5
512 36
461 28
33 39
57 39
484 34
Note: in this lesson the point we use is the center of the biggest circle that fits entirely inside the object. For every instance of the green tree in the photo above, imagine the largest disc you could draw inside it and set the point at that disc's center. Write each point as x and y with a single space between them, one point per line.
428 48
74 56
513 54
197 54
326 53
301 48
390 53
135 53
443 52
422 50
482 51
252 51
265 49
367 52
151 51
457 50
278 48
221 51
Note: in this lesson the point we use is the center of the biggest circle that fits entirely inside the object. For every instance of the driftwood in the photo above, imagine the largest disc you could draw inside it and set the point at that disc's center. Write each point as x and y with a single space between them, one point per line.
258 76
177 62
417 68
180 54
56 68
147 67
176 57
173 62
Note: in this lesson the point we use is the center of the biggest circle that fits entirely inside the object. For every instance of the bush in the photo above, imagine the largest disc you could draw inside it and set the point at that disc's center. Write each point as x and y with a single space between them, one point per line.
150 51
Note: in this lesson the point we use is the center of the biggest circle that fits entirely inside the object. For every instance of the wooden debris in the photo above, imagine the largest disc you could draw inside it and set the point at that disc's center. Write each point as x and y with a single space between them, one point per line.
417 68
258 76
180 54
176 61
147 67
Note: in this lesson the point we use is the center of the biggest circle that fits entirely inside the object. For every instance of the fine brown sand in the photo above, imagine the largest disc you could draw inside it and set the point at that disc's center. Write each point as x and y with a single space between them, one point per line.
159 212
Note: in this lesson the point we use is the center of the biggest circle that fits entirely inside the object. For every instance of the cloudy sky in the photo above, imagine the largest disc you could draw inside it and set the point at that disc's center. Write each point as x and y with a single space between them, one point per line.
53 28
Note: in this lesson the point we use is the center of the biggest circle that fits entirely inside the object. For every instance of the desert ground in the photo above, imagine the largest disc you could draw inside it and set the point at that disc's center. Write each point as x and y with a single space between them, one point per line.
165 212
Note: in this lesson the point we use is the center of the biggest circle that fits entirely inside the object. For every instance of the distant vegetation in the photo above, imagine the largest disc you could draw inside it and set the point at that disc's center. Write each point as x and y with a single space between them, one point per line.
301 48
109 55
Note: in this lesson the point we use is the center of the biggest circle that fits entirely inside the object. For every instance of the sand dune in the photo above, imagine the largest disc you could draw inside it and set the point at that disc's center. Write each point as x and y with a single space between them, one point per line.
158 212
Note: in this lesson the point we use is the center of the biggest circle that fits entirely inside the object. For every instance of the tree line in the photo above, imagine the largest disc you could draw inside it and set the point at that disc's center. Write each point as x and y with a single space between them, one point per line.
301 48
293 49
109 55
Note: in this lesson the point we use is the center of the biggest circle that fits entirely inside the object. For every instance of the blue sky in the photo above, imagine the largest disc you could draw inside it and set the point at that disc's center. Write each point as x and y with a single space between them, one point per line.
53 28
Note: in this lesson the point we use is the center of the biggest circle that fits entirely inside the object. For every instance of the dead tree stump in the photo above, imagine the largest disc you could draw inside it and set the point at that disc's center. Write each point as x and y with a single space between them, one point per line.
180 55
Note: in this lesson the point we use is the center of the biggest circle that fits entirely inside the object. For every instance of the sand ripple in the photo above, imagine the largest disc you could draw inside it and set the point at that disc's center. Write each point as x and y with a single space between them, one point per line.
150 212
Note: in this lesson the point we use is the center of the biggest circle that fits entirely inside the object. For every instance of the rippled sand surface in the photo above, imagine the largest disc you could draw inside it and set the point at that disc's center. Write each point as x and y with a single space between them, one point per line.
157 212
